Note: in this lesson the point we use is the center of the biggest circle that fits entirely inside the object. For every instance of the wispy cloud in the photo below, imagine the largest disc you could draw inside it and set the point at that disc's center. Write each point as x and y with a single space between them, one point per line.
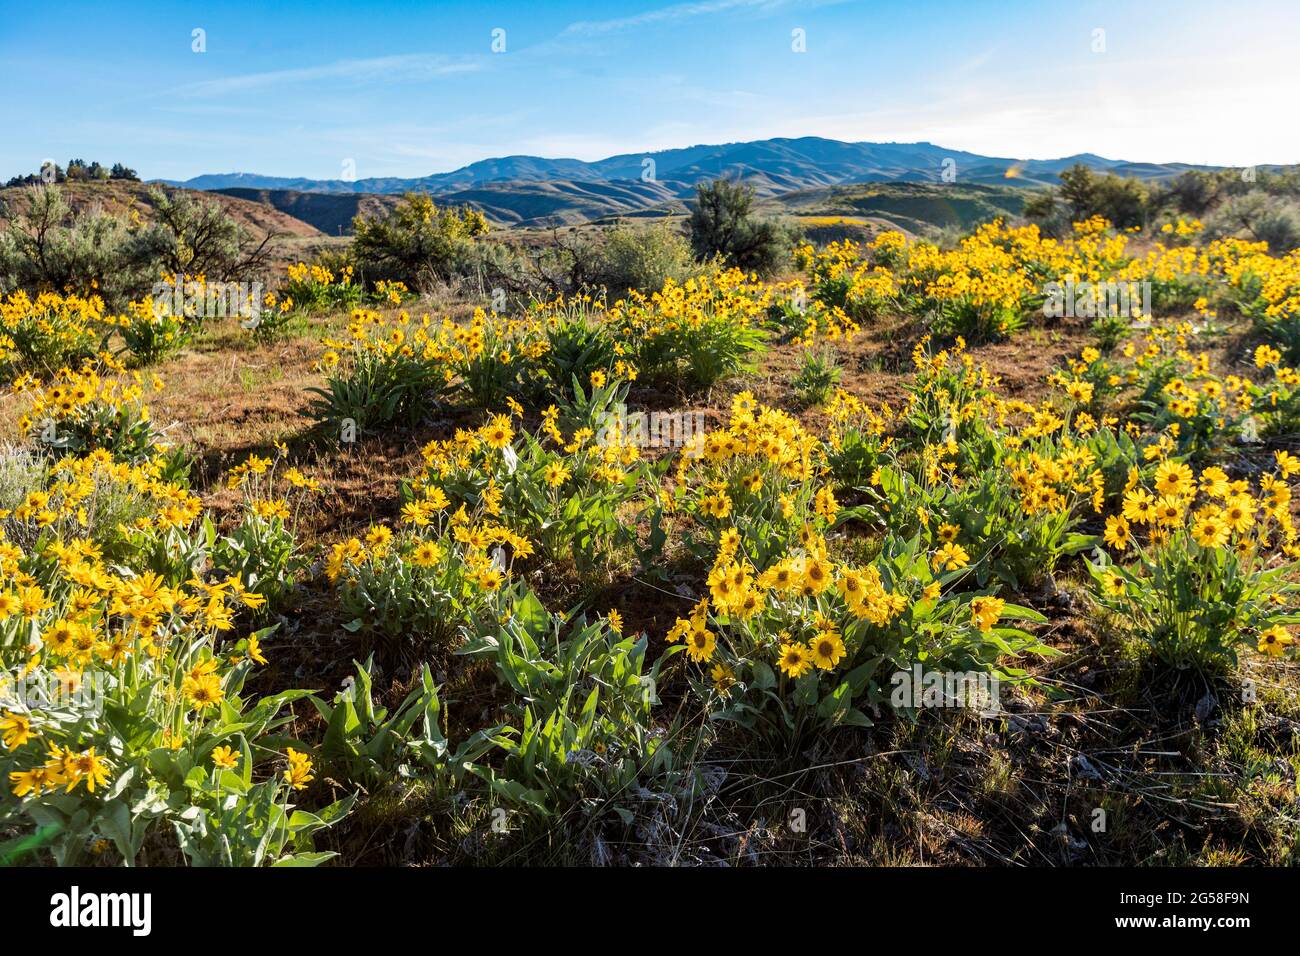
409 67
671 14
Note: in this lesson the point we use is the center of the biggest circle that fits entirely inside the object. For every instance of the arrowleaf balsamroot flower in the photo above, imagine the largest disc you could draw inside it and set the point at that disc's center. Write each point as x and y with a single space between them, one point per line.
299 772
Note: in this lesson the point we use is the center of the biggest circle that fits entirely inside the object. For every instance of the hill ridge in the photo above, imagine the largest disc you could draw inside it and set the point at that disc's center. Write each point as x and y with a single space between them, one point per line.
814 160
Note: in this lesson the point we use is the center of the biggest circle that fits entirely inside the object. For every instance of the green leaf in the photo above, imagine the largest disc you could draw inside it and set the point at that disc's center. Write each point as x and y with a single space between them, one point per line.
1017 612
315 858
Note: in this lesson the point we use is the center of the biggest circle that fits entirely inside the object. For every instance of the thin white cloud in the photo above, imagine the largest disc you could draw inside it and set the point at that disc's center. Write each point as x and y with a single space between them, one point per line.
405 67
673 14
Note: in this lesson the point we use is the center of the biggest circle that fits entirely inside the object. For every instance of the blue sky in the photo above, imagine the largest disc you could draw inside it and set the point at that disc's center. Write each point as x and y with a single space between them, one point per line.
406 89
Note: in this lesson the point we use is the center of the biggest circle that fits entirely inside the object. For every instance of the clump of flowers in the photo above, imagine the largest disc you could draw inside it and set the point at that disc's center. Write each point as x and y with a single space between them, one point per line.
1198 565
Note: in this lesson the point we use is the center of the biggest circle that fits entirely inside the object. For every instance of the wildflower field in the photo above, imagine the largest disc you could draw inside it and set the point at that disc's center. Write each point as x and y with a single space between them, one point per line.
353 579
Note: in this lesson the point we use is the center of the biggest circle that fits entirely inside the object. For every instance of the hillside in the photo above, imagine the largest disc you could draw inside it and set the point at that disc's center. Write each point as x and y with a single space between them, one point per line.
532 191
123 197
894 185
911 207
304 216
569 202
330 213
779 165
526 204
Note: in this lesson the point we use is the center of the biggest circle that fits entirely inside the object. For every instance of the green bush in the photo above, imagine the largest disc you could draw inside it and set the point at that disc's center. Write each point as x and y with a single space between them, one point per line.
46 246
1084 194
417 242
723 225
1260 218
189 236
642 257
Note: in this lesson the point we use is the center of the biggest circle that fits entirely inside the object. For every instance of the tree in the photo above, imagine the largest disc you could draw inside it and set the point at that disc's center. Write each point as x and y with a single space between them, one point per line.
1192 192
724 225
1043 205
1085 194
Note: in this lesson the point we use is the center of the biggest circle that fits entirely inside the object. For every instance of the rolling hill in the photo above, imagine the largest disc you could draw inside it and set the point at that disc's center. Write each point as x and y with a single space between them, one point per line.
908 185
328 213
779 165
533 191
559 202
912 207
122 197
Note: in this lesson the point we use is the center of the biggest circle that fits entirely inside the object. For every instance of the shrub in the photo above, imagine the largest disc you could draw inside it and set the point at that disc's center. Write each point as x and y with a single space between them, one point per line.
724 226
416 242
642 257
1261 218
192 236
48 247
1117 199
1192 192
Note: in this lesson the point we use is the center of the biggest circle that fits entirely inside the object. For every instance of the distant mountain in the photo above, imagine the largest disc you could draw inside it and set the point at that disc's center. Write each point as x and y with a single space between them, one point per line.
568 202
558 202
532 190
787 163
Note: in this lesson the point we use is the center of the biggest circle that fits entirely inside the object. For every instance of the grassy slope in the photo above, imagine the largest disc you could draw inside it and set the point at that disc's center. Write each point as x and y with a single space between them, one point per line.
122 198
913 207
331 213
